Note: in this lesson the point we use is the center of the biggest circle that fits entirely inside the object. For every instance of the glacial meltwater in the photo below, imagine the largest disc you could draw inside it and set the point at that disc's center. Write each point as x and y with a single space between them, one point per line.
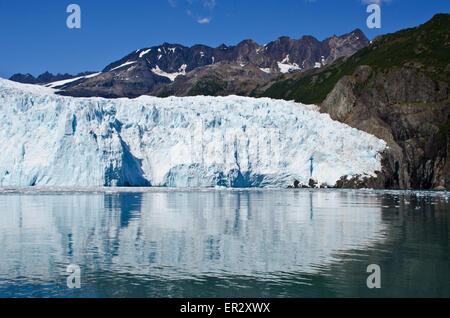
154 242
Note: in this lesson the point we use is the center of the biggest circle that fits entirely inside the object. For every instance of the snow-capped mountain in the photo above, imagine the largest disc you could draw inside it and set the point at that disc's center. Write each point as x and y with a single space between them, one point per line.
161 70
281 56
48 139
47 77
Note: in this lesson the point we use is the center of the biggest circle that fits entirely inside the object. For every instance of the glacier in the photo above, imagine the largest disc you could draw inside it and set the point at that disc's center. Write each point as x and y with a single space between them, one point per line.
52 140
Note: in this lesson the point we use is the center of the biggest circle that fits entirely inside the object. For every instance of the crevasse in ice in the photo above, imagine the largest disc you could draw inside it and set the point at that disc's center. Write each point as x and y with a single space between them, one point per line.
232 141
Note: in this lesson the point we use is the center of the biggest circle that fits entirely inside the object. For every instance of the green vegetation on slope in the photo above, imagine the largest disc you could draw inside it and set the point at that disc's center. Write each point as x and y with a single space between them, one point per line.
425 48
210 86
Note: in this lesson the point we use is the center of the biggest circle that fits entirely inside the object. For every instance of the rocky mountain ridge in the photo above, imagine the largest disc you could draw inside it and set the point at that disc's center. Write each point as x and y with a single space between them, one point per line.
174 69
44 78
397 89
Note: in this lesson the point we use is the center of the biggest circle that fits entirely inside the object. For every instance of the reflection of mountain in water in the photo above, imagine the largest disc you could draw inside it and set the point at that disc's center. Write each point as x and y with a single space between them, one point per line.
179 234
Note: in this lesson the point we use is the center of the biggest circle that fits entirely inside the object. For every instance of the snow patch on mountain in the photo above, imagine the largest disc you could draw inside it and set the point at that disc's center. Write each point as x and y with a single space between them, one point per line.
144 52
70 80
171 76
123 65
286 67
266 70
52 140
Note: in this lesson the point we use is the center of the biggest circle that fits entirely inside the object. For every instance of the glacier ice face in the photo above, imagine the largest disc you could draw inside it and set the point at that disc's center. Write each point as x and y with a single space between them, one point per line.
51 140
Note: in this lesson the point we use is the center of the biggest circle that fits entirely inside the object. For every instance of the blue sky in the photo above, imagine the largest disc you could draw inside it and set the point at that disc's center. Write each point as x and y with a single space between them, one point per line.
35 37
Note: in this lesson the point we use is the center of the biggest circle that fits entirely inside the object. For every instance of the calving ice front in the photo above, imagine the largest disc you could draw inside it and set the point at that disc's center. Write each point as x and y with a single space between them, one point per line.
51 140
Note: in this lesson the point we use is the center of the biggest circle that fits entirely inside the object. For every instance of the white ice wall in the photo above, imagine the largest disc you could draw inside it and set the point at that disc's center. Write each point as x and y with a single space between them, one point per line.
47 139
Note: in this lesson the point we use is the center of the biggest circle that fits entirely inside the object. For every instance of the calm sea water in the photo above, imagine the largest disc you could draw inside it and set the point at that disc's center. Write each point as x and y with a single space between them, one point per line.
223 243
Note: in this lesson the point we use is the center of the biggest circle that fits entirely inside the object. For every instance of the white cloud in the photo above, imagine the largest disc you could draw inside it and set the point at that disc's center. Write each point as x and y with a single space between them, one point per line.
203 20
200 10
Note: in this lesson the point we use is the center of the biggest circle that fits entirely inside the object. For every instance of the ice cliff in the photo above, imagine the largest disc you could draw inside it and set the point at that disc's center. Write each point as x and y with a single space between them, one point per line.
47 139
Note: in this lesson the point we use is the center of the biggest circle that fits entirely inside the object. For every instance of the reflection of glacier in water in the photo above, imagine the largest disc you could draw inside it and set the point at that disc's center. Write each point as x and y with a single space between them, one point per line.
176 234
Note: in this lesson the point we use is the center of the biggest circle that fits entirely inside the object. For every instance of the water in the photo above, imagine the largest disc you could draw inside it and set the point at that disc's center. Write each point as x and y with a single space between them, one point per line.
223 243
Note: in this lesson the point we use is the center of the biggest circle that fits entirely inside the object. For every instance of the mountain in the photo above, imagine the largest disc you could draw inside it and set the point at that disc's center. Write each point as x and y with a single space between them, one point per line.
200 141
24 78
44 78
173 69
396 89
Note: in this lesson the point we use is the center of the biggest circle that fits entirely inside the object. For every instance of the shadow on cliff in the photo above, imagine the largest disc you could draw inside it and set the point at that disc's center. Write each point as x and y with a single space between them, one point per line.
129 173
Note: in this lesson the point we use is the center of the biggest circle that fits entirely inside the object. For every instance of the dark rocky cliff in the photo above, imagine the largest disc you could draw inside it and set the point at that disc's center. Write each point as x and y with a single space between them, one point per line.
410 112
396 89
